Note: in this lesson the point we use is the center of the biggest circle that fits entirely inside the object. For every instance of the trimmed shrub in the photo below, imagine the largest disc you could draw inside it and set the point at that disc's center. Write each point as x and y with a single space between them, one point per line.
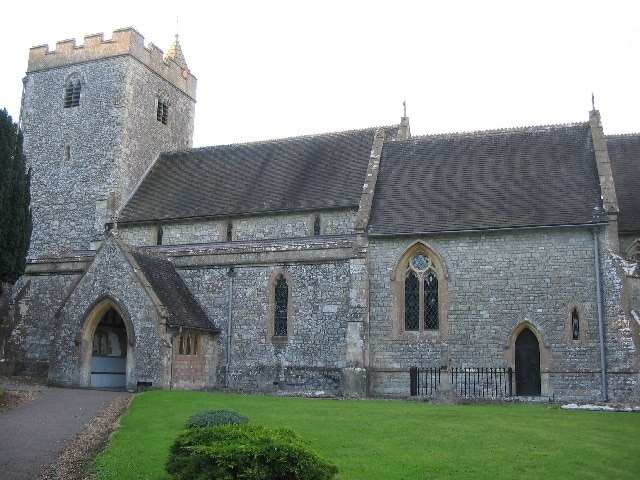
251 452
214 418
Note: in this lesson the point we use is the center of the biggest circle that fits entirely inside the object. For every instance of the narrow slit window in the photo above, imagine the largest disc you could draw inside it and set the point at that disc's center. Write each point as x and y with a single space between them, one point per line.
229 231
316 225
281 292
159 236
575 324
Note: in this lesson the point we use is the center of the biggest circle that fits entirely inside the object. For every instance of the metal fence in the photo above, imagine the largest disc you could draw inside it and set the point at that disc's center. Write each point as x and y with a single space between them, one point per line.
478 382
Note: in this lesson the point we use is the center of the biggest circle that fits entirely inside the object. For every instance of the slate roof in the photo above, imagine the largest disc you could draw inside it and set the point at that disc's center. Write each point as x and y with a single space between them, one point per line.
624 155
183 308
293 174
537 176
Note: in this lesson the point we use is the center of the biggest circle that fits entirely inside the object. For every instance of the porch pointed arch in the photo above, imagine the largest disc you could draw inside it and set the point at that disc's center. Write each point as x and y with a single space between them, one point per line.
106 341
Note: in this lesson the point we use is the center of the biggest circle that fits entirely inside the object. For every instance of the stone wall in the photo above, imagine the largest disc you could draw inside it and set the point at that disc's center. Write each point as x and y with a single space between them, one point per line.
496 282
310 358
244 229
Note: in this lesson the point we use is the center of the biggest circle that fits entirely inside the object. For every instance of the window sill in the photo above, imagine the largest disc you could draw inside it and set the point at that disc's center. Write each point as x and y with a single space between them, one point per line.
280 340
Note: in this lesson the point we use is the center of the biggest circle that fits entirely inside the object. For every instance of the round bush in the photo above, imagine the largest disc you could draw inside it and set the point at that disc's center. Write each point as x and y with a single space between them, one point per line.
213 418
245 451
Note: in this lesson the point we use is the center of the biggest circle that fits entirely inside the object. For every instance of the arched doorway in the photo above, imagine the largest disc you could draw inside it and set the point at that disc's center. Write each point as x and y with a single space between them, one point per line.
527 361
109 352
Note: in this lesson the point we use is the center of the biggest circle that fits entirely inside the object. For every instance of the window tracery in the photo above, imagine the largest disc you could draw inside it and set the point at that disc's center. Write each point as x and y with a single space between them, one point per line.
418 285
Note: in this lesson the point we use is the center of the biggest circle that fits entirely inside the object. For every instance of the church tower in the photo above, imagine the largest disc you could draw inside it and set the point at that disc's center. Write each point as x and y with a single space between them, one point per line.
94 118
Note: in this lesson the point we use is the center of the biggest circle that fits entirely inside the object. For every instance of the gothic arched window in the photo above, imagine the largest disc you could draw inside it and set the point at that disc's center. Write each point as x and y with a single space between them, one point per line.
281 302
421 292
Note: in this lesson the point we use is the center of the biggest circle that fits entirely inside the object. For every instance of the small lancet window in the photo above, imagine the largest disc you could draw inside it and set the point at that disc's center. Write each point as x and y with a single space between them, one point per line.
72 93
162 111
575 324
316 225
67 153
229 231
281 293
159 235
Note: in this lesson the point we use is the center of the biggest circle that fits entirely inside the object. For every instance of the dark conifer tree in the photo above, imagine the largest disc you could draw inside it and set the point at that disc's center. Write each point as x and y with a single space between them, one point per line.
15 213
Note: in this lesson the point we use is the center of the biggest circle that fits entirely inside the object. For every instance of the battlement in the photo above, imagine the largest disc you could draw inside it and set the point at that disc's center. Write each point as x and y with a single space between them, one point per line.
124 41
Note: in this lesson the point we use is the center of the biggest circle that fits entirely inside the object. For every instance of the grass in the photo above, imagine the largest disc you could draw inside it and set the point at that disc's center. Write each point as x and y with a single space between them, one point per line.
397 440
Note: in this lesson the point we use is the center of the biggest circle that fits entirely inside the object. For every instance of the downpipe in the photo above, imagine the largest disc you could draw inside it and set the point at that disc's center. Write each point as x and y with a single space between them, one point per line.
227 365
603 358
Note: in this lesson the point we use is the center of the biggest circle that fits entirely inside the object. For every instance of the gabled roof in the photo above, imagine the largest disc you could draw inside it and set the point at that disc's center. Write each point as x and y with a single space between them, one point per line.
530 177
287 175
184 310
624 155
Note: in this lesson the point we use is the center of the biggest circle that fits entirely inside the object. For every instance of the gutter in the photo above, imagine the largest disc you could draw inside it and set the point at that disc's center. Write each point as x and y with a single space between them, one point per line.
227 365
484 230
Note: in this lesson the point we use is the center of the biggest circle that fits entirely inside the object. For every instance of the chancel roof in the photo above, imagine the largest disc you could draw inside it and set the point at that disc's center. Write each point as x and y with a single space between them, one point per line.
293 174
530 177
624 155
184 310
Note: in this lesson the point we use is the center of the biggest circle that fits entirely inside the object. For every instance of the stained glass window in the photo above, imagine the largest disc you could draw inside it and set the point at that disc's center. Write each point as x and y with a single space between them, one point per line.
431 302
411 302
421 308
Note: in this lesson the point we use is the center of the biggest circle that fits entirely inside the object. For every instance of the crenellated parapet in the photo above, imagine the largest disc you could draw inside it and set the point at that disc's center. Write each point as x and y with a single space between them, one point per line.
124 41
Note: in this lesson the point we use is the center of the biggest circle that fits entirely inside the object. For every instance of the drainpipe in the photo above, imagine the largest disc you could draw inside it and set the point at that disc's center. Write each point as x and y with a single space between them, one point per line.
603 358
227 366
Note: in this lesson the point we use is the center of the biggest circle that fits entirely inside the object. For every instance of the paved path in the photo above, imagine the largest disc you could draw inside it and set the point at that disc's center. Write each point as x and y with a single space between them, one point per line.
35 433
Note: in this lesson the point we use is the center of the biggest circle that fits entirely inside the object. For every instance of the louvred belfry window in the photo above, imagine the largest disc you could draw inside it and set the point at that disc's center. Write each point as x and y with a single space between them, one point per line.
162 112
72 93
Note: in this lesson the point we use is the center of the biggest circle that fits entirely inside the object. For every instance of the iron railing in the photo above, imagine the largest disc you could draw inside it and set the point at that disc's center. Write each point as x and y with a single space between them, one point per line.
478 382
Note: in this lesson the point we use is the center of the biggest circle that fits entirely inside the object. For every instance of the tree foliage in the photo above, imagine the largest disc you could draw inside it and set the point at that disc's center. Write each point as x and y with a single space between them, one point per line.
15 213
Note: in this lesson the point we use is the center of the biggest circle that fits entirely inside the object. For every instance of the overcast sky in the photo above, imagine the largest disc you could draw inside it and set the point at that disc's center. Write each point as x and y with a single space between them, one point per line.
271 69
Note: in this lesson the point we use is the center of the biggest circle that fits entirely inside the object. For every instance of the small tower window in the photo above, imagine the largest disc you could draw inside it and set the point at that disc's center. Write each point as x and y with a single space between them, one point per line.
575 324
72 93
316 225
281 292
67 153
162 112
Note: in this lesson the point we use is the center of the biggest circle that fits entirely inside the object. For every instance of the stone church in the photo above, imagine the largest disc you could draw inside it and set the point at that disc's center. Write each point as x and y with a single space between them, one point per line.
332 264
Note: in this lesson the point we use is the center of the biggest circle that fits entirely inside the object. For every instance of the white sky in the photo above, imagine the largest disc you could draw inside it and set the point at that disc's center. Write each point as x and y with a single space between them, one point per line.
273 68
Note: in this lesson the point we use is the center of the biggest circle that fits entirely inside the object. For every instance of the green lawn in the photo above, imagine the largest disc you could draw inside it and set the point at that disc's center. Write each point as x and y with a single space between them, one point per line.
394 440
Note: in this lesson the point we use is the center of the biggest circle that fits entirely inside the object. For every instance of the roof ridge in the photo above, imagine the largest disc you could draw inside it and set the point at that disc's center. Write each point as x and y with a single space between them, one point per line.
496 131
293 137
623 135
